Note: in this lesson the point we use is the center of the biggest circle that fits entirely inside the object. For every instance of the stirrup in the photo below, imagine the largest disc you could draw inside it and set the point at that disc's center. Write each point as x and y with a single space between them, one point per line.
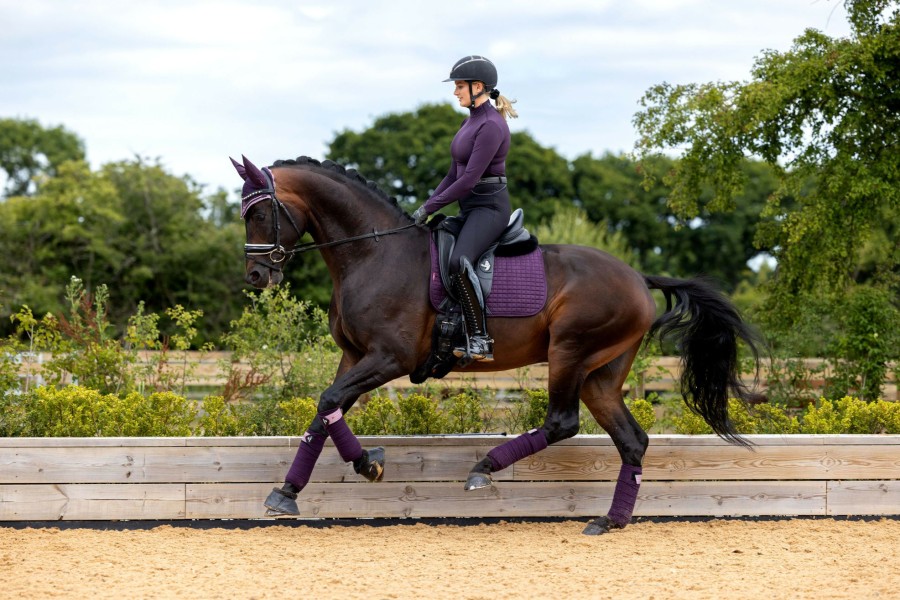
479 348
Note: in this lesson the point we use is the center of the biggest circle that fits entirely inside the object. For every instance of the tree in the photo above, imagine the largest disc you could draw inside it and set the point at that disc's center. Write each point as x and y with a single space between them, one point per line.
826 115
713 243
131 226
29 150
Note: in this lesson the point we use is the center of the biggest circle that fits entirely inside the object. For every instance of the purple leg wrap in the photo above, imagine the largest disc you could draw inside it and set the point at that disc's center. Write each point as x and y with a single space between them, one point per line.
347 445
307 455
625 495
517 448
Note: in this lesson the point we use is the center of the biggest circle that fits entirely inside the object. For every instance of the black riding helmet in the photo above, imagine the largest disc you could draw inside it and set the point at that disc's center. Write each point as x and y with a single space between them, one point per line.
474 68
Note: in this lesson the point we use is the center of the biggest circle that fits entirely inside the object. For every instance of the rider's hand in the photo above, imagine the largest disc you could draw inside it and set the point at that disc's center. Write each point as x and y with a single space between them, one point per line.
420 216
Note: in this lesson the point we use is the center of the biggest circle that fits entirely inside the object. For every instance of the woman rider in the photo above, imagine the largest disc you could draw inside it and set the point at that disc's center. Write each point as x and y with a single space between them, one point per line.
477 180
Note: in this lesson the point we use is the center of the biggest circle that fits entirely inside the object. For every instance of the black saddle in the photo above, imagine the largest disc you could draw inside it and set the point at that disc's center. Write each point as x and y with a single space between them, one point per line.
514 241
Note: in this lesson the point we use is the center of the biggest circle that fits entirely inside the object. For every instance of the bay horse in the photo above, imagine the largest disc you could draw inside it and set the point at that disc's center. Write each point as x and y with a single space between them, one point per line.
597 313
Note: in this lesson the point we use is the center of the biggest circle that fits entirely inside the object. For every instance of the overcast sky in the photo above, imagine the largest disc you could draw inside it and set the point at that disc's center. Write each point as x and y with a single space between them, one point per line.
192 82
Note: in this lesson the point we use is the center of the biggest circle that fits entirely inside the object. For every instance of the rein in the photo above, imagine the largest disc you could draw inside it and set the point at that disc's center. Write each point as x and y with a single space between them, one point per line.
277 254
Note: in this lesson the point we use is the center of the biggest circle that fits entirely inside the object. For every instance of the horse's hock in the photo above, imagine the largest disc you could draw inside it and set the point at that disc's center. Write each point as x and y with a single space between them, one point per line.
49 479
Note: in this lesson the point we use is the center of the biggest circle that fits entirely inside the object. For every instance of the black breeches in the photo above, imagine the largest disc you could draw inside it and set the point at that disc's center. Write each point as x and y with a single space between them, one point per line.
486 212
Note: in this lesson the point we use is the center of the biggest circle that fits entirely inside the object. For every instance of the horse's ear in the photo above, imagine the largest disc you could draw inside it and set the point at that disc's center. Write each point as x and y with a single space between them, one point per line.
240 168
254 174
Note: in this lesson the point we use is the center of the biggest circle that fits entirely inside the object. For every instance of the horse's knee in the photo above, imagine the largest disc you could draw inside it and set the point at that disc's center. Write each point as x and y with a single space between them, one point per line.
633 450
329 402
561 428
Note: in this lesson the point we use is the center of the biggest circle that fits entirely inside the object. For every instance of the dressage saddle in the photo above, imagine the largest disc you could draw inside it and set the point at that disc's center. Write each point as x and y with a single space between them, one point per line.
514 241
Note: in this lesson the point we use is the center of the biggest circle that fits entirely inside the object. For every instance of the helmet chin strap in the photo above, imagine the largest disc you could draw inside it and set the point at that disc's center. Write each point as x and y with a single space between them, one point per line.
472 97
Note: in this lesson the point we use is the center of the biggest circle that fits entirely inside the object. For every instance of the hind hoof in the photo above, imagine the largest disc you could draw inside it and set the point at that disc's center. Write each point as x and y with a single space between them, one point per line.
477 481
600 526
281 504
373 470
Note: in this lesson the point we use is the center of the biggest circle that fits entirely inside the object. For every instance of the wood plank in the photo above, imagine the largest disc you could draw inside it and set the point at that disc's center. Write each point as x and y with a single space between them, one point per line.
863 497
513 499
148 464
662 463
91 502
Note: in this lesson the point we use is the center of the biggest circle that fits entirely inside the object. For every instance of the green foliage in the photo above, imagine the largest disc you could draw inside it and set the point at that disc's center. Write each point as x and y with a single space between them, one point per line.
148 234
852 415
76 411
825 115
80 341
295 415
30 152
420 415
845 416
287 344
463 413
868 339
379 416
643 413
220 418
570 225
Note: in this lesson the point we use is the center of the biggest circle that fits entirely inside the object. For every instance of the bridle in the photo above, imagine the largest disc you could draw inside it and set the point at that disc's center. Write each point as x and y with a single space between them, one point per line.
275 255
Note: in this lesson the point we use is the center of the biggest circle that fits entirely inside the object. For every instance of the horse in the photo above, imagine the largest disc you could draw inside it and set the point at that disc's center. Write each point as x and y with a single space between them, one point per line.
598 312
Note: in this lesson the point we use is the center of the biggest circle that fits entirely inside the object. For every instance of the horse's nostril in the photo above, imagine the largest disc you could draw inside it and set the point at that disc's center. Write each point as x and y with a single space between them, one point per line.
253 277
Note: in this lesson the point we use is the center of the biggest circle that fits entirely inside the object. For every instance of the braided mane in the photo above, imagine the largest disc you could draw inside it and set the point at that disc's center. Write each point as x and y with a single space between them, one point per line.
349 176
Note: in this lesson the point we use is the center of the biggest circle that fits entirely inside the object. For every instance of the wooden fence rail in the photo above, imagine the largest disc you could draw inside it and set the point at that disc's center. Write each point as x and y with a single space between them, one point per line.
205 369
44 479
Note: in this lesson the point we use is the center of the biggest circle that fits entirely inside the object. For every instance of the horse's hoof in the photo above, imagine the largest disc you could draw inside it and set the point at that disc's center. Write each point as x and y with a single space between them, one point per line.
476 481
281 504
600 526
373 469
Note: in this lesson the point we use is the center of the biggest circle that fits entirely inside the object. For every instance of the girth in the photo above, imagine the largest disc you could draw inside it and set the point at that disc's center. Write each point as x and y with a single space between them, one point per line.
514 241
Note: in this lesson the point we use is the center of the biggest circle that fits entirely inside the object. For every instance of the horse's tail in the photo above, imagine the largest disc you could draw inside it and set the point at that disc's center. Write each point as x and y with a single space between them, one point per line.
707 327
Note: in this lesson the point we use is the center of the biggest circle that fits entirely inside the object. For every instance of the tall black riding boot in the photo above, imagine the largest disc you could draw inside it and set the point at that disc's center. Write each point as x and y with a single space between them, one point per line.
480 346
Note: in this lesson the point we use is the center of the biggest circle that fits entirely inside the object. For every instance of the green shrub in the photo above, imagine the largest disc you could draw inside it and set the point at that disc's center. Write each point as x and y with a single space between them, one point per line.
295 415
527 412
851 415
220 418
643 413
379 416
420 415
464 413
287 344
77 411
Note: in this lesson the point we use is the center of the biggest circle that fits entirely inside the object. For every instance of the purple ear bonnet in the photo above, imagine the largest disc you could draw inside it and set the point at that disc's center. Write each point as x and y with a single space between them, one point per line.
259 184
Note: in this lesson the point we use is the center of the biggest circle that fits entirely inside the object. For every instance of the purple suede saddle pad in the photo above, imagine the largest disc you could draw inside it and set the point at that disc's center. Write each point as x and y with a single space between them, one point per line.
519 288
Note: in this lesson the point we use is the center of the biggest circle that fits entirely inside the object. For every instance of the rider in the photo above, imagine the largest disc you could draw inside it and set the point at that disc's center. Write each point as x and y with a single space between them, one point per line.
477 180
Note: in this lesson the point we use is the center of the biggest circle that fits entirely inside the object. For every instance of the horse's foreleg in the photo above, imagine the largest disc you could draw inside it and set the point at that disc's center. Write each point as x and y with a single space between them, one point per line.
366 375
283 501
602 394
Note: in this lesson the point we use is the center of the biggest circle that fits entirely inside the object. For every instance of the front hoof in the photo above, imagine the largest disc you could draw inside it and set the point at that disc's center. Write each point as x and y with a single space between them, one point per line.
600 526
281 503
373 469
476 481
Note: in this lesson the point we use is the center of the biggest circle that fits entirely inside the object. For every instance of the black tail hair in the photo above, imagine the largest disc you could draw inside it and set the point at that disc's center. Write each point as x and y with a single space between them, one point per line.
706 327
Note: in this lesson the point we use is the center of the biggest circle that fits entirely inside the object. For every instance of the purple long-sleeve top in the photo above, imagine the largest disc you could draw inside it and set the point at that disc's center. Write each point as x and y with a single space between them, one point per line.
479 150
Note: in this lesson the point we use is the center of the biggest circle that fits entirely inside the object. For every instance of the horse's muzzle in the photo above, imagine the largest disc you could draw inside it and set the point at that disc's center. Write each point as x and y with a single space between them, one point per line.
261 276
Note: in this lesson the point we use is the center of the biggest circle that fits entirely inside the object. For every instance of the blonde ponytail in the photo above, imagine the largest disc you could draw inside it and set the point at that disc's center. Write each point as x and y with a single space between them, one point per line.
505 107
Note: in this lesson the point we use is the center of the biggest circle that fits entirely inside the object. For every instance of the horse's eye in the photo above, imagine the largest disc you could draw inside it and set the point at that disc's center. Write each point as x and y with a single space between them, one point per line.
259 216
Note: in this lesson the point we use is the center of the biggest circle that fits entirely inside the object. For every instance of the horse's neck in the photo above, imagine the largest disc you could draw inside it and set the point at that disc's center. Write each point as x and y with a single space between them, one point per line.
340 216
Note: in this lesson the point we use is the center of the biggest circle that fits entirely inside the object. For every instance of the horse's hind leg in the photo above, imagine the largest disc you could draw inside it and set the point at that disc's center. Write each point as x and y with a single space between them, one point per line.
602 394
561 423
